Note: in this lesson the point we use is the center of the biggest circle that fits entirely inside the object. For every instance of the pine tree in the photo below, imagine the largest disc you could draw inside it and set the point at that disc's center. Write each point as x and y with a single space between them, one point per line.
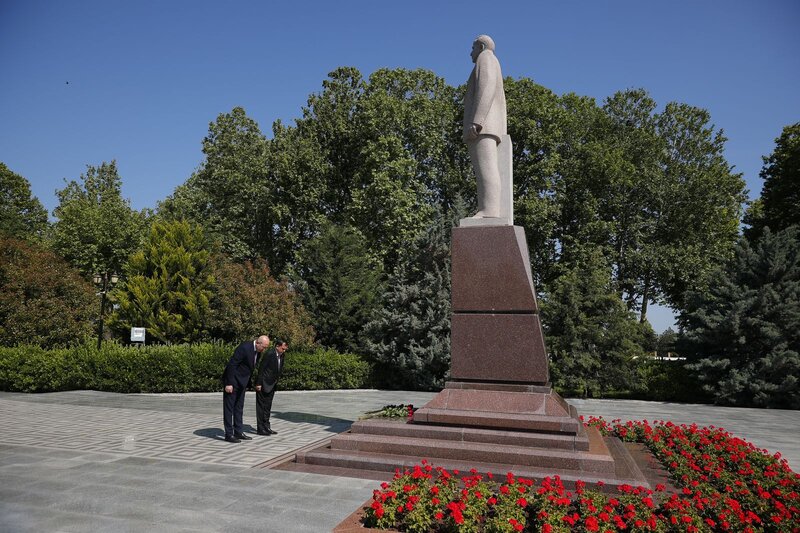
744 333
167 285
339 283
410 334
591 336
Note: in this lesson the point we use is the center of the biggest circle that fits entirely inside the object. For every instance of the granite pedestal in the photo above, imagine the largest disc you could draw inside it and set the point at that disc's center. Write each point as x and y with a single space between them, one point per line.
497 412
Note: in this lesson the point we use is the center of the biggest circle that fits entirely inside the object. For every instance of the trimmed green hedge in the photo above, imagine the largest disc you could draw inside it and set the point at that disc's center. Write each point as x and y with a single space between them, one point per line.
180 368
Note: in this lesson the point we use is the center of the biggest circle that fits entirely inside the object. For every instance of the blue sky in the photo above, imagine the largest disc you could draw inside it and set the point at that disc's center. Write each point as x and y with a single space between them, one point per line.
145 78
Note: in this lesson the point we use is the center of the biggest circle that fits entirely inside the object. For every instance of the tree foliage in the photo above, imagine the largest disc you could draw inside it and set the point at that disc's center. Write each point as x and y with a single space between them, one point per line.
43 300
409 333
744 333
227 195
592 338
339 283
21 214
167 285
247 301
97 230
779 204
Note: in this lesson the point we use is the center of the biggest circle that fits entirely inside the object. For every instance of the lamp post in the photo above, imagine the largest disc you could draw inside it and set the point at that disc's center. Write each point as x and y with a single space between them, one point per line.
106 281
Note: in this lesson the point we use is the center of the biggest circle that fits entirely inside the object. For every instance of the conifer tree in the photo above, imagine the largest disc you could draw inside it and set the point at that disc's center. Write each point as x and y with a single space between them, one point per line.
591 336
744 333
339 283
410 334
167 285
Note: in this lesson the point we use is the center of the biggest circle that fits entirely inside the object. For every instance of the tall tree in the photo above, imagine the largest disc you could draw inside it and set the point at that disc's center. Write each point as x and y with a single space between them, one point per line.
21 214
247 301
744 332
167 285
779 205
227 195
409 334
592 338
97 229
43 300
340 283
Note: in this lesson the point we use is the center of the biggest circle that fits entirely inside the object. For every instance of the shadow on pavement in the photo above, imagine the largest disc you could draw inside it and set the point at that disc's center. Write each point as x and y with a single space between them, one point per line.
335 425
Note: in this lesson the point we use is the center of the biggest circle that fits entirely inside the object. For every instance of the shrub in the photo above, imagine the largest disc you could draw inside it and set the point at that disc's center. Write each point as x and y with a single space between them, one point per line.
178 368
324 369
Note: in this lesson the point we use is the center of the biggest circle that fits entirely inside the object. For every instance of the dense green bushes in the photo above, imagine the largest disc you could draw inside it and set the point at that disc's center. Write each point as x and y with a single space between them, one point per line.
181 368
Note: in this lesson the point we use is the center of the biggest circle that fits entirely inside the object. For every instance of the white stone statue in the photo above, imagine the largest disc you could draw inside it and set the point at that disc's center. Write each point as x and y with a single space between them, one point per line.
486 137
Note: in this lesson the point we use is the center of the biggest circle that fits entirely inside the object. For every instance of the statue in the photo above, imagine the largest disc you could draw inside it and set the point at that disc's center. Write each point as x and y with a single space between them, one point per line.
484 130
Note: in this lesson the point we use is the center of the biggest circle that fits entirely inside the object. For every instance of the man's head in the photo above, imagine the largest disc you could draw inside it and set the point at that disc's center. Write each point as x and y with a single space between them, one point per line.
481 43
281 346
261 343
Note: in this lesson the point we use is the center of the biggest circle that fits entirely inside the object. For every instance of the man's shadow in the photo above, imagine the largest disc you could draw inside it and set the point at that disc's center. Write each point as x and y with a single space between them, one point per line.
219 433
333 425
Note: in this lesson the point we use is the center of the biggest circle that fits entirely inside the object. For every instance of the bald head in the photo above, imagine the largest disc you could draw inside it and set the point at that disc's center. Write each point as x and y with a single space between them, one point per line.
261 343
486 41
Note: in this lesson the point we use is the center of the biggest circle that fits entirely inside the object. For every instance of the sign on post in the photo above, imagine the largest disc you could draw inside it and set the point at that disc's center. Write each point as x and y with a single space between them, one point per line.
138 334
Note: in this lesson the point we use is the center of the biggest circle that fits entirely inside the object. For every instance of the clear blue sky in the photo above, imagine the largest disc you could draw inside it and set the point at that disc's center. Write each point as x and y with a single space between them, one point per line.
145 78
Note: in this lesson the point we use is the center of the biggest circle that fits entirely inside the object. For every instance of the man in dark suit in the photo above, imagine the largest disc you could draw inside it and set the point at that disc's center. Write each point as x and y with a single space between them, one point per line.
236 377
269 370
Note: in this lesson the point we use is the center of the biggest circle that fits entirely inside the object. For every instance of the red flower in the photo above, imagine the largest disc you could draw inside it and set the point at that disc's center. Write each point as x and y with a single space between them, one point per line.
591 524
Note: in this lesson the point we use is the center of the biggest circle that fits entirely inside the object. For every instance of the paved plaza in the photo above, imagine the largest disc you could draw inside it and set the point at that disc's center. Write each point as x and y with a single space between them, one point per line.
92 461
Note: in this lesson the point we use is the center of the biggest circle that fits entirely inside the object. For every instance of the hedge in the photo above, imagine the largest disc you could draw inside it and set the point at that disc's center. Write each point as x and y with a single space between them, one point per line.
177 368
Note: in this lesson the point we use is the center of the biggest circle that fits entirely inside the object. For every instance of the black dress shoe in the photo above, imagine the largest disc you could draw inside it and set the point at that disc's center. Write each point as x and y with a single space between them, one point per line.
262 432
242 436
272 432
229 438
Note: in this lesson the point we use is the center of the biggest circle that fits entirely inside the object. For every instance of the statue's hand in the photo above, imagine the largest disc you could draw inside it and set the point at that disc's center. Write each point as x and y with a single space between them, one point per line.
473 132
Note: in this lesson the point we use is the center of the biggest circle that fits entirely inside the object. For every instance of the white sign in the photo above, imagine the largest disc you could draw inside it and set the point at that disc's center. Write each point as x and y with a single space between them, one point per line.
137 334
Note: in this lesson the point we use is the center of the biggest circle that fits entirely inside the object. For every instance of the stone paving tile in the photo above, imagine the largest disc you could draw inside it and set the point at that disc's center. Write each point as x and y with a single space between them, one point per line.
68 466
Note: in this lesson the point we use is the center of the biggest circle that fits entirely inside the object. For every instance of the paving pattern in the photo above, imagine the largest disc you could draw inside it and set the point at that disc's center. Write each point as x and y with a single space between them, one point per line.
162 426
91 461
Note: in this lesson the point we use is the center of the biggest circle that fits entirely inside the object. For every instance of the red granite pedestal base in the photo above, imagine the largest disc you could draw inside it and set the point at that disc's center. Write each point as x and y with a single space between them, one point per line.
498 412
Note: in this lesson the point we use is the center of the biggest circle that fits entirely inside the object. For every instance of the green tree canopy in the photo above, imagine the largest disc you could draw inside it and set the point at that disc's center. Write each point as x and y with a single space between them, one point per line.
43 300
167 285
409 334
97 230
779 205
340 284
227 195
744 333
591 336
247 302
21 214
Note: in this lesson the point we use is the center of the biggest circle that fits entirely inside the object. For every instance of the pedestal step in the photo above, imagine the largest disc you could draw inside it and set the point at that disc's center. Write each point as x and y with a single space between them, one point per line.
625 473
597 460
579 442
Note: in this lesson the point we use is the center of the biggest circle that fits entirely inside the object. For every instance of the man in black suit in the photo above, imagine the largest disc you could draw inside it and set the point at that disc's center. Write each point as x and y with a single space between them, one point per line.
269 370
236 377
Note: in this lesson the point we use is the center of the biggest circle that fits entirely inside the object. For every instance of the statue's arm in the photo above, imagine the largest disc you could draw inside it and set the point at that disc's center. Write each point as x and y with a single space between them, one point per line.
486 73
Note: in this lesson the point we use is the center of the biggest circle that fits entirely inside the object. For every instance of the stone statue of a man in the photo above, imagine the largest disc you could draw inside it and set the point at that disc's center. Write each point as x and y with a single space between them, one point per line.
485 124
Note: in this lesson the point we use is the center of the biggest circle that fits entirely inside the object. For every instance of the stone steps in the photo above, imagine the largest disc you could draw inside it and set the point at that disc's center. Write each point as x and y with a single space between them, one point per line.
597 460
471 434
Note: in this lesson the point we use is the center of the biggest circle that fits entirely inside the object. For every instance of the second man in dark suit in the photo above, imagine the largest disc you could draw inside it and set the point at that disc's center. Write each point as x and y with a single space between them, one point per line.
269 370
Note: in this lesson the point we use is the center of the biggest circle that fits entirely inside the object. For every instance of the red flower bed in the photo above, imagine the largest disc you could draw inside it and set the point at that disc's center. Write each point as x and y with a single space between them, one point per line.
726 483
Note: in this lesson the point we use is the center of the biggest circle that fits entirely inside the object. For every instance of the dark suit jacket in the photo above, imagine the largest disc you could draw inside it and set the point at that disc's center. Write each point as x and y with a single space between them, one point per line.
269 370
240 367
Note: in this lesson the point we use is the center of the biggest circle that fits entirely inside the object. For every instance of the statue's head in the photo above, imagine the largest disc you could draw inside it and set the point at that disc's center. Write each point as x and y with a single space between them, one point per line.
481 43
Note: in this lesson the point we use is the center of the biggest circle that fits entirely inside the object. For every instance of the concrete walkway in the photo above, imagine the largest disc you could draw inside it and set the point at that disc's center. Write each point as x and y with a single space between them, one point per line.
84 460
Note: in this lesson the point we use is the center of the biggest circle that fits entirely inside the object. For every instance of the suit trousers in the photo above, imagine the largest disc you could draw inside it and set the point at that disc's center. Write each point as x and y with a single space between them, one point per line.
233 411
263 408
